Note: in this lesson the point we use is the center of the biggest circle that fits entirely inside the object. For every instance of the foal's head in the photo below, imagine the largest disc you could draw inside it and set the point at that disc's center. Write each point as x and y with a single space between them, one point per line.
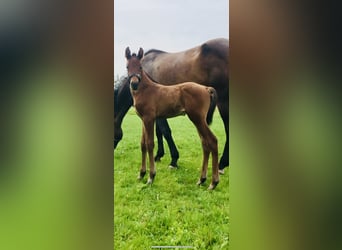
134 68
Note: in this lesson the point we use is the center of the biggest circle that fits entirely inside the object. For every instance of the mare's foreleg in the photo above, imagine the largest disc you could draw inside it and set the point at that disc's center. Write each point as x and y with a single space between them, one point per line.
160 151
166 131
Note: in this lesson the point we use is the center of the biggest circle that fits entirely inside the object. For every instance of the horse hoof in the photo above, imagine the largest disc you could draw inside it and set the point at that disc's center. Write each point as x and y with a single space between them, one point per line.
173 163
151 178
158 156
221 171
201 181
141 175
172 167
213 185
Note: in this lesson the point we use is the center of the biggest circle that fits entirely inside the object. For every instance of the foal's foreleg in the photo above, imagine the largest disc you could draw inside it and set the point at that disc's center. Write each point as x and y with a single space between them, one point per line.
143 155
149 133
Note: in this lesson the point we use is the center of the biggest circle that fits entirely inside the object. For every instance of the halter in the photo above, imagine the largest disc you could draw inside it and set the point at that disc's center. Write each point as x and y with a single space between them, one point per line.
134 85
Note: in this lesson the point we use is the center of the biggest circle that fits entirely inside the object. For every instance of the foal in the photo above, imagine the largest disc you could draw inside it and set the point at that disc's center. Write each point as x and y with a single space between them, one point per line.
153 100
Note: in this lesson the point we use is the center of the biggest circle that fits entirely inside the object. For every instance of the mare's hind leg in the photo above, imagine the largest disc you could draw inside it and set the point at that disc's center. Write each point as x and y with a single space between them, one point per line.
223 110
143 155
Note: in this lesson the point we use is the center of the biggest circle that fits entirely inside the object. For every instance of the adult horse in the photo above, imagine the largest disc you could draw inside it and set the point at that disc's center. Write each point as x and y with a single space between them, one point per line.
206 64
153 100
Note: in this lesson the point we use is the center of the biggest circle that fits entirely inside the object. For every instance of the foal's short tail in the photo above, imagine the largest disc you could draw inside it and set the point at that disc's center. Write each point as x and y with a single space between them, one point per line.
213 99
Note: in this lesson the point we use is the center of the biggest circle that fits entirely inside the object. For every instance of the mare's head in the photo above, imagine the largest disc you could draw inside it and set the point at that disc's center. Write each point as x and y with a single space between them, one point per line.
134 68
117 126
122 103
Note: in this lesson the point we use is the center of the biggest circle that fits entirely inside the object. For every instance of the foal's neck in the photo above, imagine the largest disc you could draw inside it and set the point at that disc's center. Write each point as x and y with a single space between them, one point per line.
146 79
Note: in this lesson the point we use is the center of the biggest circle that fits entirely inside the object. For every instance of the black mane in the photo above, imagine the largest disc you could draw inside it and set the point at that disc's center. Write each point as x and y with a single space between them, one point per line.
157 51
118 88
118 84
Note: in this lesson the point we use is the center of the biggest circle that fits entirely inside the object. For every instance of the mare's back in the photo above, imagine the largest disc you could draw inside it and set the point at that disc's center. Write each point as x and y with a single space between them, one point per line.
204 64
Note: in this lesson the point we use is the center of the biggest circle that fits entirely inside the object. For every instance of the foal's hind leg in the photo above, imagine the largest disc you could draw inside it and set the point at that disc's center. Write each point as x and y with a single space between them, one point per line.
215 167
206 153
209 144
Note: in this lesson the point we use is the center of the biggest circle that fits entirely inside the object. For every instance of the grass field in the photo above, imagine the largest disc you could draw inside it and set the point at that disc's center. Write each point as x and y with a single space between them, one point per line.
174 211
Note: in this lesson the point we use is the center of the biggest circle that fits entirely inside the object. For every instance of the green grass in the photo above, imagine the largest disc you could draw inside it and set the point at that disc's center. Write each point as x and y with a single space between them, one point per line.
174 211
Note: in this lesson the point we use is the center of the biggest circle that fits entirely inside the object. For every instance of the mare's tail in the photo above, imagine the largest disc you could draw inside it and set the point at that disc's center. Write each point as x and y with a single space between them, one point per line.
213 100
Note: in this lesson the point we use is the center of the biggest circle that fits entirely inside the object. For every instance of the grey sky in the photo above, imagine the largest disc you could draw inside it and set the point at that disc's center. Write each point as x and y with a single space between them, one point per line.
170 25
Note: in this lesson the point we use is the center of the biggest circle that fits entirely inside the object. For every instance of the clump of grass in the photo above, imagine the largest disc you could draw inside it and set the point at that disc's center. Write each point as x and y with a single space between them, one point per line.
173 211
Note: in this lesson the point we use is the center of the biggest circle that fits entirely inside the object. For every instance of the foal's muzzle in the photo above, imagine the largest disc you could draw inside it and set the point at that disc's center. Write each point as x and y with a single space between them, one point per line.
134 84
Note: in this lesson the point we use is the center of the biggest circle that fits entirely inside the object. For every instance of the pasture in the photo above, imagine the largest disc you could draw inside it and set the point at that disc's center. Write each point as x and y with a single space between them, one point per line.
174 211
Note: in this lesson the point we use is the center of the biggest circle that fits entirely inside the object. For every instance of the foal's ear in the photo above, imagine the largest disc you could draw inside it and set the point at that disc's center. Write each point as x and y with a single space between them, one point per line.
128 53
140 53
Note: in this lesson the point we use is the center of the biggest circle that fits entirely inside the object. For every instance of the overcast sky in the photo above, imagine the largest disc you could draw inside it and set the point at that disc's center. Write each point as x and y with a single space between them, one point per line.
170 25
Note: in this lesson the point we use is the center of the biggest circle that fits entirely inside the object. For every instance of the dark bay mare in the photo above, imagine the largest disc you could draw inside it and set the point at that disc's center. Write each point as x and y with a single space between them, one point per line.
123 100
152 100
206 64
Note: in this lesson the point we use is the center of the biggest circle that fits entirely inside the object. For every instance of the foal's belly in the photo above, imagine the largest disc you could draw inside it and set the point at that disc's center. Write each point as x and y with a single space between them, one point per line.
171 112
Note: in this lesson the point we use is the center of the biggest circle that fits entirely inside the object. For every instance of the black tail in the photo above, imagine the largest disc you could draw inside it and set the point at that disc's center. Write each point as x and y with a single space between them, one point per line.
213 100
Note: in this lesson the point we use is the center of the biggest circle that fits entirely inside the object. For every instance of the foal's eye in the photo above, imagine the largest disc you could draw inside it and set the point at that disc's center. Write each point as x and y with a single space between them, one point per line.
140 67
